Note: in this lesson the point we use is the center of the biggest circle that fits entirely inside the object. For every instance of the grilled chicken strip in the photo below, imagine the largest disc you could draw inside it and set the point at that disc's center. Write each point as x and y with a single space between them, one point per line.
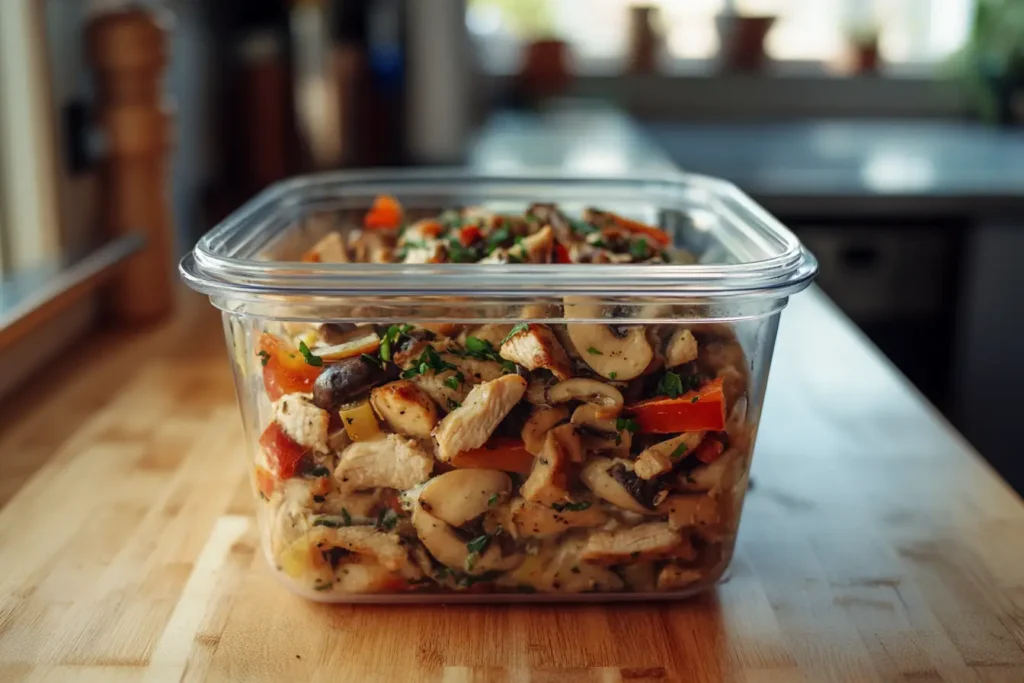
406 408
303 422
392 462
538 347
471 424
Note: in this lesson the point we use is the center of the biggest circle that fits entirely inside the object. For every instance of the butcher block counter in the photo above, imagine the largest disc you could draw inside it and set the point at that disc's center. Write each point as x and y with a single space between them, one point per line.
875 544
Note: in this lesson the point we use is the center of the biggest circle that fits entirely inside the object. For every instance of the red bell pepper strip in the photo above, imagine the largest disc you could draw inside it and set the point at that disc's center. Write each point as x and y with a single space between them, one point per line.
561 254
285 371
709 450
694 411
469 234
385 214
656 234
500 453
283 454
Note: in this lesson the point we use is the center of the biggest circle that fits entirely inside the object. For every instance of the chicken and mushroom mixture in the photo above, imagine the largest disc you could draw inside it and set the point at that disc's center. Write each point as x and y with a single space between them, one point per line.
559 458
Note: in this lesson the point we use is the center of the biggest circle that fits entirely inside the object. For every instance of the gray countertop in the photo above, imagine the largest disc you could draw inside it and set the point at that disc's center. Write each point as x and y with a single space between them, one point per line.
919 163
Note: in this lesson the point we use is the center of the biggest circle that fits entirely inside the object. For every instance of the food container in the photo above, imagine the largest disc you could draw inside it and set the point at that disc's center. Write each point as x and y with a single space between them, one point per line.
615 471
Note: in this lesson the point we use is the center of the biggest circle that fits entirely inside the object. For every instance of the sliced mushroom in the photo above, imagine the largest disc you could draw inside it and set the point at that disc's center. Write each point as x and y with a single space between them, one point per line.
387 548
536 429
660 458
406 408
458 496
607 397
601 433
636 544
596 476
450 550
368 342
681 348
536 248
534 519
471 424
347 380
537 391
568 436
714 476
621 354
537 348
548 481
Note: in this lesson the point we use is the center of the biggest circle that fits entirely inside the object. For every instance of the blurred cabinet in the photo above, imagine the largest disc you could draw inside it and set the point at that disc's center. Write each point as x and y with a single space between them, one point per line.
899 282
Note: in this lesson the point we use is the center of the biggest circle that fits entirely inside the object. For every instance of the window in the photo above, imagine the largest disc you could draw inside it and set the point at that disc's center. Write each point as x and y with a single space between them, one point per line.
919 32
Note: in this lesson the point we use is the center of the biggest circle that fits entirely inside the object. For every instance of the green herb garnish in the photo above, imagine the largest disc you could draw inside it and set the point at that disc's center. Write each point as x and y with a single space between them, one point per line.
612 375
594 352
638 249
571 507
471 562
678 452
694 399
454 381
387 519
319 471
322 587
493 500
311 359
347 517
264 358
512 258
516 329
329 522
452 405
670 385
478 544
627 423
372 360
429 360
581 227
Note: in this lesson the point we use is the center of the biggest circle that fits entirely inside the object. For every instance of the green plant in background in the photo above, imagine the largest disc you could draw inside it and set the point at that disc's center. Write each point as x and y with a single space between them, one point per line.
526 19
991 64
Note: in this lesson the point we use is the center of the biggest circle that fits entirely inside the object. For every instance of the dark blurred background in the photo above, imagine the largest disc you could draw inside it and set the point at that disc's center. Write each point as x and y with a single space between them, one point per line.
886 133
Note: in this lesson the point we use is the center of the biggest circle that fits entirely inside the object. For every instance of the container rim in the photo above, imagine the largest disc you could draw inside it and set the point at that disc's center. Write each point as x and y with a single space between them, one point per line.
219 264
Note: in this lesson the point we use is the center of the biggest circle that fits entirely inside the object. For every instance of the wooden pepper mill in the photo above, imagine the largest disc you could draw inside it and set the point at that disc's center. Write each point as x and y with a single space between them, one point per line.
128 49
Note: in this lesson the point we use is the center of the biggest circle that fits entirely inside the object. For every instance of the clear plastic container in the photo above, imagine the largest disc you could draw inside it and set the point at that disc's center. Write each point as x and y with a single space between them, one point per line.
577 493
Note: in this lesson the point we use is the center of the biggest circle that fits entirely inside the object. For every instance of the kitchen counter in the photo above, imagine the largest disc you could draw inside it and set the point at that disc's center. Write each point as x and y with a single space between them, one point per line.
830 167
876 544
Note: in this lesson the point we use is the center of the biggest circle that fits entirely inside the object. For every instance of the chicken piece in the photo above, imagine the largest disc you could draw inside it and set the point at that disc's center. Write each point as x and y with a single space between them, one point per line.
433 385
690 511
534 519
537 248
471 424
660 458
473 369
387 548
303 422
365 575
672 577
330 249
394 462
537 347
681 348
643 542
431 252
548 481
558 569
406 408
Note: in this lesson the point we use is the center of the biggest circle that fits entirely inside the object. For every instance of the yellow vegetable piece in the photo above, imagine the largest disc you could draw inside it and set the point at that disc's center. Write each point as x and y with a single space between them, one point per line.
360 422
302 557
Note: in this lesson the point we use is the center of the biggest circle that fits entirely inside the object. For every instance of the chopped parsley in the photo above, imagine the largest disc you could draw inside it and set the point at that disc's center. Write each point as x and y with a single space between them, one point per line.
497 238
372 360
264 358
679 451
454 381
429 360
459 253
311 358
493 500
452 405
627 423
387 519
319 471
391 337
670 385
482 349
612 375
594 352
516 329
694 399
478 544
638 249
322 587
329 522
471 561
571 507
347 517
581 227
512 258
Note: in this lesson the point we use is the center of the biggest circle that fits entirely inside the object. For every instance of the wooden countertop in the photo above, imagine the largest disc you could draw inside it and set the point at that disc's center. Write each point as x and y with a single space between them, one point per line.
875 545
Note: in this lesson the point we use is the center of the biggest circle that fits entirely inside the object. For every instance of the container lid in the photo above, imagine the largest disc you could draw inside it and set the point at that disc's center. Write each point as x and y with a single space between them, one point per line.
756 256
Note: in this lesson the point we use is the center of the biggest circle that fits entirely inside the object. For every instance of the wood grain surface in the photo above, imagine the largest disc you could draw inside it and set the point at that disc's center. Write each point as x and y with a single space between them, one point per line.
875 544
